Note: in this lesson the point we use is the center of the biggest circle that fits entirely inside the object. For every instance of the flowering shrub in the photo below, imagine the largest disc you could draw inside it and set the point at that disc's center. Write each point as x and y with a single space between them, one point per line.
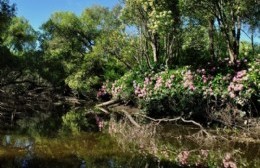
188 81
123 87
186 90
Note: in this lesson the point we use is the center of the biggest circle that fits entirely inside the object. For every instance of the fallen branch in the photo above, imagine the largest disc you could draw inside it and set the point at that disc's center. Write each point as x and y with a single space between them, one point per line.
103 110
110 102
176 119
131 118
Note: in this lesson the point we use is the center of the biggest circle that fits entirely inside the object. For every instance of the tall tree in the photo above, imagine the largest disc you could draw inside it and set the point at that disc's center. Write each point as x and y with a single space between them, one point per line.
158 22
229 16
7 12
80 46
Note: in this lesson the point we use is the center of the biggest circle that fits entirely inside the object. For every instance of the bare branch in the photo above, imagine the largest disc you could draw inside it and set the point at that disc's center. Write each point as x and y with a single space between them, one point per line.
176 119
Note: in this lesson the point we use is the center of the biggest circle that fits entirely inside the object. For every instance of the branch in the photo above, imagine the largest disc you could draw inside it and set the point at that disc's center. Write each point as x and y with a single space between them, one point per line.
103 110
131 118
110 102
176 119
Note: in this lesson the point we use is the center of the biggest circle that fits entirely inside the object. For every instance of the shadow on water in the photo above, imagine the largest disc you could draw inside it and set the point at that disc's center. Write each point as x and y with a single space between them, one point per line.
61 136
86 150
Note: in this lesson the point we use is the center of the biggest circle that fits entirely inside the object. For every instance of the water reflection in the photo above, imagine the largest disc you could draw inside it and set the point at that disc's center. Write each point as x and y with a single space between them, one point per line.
63 136
81 151
6 140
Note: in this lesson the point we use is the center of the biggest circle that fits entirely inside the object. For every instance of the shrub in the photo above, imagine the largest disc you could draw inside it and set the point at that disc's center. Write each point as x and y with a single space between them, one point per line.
191 91
73 122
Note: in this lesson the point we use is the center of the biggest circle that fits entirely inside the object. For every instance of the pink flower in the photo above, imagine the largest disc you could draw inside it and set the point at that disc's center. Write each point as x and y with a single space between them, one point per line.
240 74
228 161
238 87
158 83
146 81
204 78
168 83
232 94
183 157
192 87
188 80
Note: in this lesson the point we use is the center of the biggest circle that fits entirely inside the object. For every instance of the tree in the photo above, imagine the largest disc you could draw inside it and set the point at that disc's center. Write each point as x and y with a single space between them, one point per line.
80 46
20 37
158 22
7 11
229 17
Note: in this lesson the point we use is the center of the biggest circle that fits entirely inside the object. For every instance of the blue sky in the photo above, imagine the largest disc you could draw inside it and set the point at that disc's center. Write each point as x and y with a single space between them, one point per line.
39 11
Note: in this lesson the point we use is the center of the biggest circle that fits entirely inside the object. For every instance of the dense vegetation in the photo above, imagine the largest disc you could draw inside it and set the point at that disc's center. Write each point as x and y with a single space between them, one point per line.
169 58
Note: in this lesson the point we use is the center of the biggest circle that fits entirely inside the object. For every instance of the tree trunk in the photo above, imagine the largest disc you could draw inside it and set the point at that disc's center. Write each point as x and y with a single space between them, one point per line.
232 54
238 32
155 48
252 43
211 38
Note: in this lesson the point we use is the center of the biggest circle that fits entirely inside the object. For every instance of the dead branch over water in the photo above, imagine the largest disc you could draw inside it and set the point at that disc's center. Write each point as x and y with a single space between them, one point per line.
133 115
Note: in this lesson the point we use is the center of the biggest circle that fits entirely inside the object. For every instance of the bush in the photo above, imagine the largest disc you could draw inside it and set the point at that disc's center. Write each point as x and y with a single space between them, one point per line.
192 92
73 122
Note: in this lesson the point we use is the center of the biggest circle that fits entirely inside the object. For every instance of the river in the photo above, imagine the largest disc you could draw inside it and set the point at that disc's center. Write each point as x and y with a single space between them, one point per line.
63 136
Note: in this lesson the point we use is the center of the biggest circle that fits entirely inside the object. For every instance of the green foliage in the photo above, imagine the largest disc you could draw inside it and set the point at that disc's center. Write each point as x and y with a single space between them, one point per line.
7 12
80 47
20 36
166 57
192 92
74 122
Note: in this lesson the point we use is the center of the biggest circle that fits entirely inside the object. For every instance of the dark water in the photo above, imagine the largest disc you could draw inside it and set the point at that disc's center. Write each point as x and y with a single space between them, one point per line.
63 136
84 150
246 153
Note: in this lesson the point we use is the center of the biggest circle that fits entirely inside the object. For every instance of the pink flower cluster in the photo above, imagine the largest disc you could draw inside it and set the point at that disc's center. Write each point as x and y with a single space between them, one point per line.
139 91
188 81
228 162
237 83
204 75
158 83
116 90
168 83
183 157
151 84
